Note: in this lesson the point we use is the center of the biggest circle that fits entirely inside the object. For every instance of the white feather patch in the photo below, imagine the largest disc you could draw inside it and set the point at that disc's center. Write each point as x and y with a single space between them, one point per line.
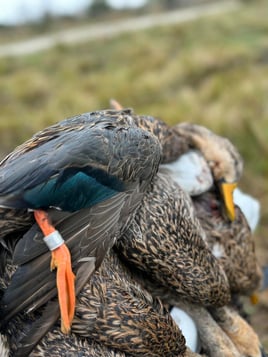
249 206
188 328
191 172
218 250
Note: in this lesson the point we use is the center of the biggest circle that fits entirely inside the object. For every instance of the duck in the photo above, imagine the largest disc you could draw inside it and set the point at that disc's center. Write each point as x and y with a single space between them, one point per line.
165 241
229 226
156 258
208 167
81 179
231 242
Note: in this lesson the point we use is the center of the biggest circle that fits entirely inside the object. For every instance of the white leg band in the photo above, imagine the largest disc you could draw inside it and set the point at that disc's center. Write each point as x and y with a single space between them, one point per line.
53 240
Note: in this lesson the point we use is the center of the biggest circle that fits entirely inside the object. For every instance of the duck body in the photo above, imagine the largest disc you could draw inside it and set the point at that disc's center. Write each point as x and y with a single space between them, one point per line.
114 306
89 173
222 164
231 242
166 242
167 257
199 170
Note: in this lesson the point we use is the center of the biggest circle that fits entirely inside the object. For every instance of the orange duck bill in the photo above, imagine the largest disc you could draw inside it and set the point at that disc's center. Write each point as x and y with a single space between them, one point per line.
60 259
227 190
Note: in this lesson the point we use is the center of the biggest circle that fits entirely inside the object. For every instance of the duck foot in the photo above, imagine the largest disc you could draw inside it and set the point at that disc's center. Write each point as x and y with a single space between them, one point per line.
60 259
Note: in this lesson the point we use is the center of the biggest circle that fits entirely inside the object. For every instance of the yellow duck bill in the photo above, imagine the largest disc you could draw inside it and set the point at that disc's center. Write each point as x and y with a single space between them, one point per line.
227 190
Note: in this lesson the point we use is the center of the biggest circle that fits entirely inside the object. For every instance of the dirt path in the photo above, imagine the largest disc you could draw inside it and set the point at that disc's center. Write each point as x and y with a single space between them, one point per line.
110 29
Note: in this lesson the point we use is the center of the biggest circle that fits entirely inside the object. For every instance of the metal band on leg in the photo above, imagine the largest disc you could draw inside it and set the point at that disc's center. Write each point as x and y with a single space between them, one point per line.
54 240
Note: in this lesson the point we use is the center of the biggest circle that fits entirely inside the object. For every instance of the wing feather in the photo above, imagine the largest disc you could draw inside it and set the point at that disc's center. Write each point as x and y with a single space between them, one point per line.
51 313
88 233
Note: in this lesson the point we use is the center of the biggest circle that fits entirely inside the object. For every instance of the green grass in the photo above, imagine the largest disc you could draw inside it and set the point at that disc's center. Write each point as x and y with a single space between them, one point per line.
213 71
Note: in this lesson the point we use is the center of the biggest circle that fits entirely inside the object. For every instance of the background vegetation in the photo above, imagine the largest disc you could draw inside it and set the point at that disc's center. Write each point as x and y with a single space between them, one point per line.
213 71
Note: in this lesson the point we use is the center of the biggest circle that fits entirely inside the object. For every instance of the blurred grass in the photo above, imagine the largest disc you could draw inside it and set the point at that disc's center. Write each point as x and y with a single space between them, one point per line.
213 71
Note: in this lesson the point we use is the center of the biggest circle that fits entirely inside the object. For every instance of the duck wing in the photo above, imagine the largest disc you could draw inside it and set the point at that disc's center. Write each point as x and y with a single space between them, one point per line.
78 163
86 233
41 325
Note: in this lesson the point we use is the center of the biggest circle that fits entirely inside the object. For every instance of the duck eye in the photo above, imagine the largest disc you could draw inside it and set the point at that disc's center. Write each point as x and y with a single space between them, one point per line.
222 180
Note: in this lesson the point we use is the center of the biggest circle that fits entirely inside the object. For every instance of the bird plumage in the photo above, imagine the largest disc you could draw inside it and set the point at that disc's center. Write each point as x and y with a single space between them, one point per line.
182 265
145 253
56 344
112 310
231 242
216 158
166 242
77 163
222 156
102 149
113 305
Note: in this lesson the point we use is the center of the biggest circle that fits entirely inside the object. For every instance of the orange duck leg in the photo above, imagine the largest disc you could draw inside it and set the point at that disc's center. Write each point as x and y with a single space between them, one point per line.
60 259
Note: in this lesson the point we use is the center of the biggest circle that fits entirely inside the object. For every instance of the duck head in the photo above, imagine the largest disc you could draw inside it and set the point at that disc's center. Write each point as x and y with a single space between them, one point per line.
222 157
